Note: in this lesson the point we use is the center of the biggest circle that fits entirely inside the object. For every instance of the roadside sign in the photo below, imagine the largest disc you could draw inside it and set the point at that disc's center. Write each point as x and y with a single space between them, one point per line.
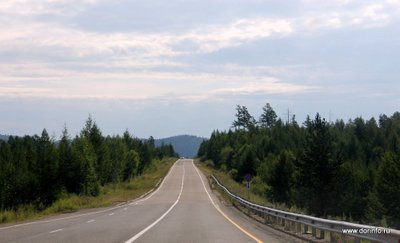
247 177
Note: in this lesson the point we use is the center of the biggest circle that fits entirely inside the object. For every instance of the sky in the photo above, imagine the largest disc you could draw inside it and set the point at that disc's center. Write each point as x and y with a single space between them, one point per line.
164 68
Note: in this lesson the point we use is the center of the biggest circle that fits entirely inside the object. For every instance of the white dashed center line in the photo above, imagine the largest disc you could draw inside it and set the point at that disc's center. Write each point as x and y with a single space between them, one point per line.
90 221
54 231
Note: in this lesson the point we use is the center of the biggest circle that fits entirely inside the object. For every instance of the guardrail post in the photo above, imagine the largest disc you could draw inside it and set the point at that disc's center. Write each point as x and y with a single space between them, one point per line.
305 229
330 234
267 219
314 232
322 234
298 227
287 225
265 216
261 214
292 226
336 237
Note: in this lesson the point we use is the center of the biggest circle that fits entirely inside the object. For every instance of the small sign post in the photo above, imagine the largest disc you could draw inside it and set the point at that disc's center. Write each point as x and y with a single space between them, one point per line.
247 177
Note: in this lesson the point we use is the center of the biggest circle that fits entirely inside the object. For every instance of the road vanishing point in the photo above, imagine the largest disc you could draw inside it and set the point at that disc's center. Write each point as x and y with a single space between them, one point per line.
182 209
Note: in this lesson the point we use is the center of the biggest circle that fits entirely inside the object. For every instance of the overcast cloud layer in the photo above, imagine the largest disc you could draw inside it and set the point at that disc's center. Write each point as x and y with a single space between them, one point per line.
164 68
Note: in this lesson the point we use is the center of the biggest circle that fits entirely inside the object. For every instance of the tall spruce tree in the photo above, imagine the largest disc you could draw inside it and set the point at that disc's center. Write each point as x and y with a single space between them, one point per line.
268 117
84 157
48 166
318 168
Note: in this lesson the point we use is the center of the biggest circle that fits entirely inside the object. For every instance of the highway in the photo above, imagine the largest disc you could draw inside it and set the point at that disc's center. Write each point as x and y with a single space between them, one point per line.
182 209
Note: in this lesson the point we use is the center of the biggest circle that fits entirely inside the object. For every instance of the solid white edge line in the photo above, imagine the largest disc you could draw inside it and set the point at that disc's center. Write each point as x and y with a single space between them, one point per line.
135 237
86 214
221 212
202 182
136 202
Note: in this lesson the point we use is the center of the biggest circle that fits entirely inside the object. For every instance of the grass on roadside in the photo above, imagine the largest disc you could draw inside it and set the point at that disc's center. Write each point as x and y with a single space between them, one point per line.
110 194
240 189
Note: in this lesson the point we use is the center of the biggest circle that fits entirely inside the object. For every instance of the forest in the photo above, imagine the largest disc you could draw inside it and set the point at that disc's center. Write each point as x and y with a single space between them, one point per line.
345 170
36 170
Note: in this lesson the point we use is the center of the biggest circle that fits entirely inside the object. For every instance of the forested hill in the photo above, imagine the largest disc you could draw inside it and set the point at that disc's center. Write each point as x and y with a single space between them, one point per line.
184 145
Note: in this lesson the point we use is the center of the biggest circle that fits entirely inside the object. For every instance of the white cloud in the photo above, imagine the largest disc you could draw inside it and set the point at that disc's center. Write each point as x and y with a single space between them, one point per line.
30 82
18 35
122 64
367 16
39 7
27 35
267 86
256 86
393 1
214 38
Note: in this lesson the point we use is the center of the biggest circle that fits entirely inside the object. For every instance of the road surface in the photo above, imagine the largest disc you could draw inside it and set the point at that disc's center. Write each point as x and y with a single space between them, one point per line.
182 209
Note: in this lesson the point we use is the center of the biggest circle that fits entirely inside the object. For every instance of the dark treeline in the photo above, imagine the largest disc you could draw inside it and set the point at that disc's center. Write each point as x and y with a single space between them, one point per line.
37 170
349 170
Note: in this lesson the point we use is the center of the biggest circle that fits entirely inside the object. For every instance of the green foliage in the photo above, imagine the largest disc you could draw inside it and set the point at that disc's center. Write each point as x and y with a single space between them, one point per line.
131 164
84 156
47 168
258 187
268 117
318 168
66 202
388 187
340 169
37 171
281 178
243 118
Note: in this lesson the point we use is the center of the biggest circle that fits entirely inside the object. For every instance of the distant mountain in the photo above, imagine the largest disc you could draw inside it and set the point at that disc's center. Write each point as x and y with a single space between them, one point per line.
184 145
4 137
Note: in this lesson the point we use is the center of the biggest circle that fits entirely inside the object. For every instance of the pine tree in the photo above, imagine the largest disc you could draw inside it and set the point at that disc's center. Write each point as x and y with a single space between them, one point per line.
243 119
280 178
388 187
68 170
101 164
48 166
268 117
318 169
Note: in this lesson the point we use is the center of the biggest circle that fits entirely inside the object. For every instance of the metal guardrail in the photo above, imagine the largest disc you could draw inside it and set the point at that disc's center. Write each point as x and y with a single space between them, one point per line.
293 222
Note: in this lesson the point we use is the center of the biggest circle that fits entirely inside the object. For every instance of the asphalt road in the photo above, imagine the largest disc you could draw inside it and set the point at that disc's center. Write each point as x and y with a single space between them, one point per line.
182 209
